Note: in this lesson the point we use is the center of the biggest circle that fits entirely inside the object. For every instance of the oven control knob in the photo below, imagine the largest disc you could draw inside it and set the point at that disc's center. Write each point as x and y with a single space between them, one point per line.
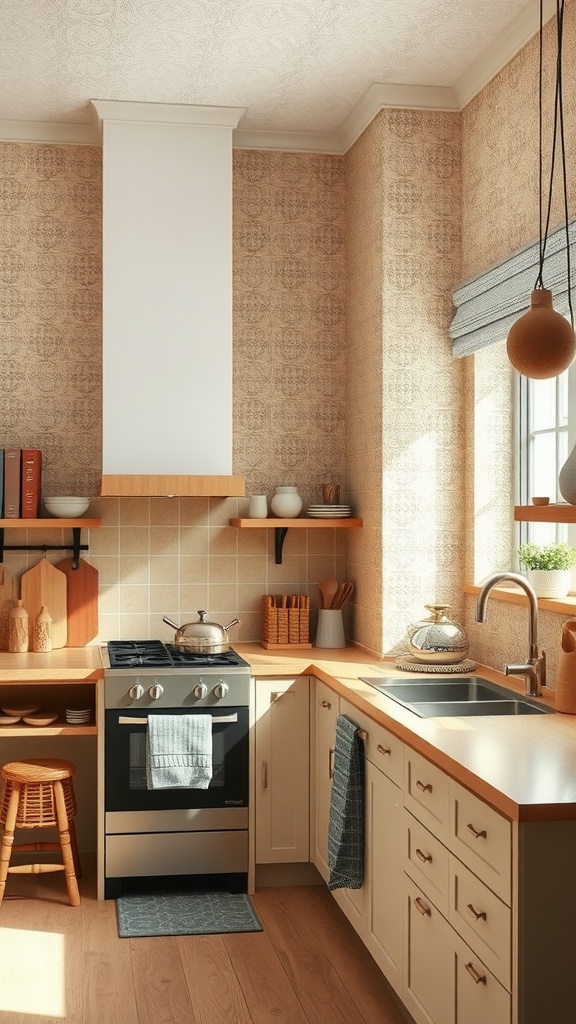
156 691
201 691
136 691
220 690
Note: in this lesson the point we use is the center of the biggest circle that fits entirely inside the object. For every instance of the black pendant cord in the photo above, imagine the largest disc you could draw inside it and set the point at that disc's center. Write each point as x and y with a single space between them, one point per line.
557 104
558 128
539 282
560 29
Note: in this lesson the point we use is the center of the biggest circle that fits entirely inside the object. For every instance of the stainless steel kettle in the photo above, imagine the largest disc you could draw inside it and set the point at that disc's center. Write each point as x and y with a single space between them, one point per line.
202 636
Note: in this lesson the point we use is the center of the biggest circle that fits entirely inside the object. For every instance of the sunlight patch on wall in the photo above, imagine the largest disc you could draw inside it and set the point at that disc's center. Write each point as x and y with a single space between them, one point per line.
39 989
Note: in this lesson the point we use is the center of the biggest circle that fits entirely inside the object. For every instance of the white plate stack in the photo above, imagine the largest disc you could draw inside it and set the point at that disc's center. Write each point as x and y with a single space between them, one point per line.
329 511
78 716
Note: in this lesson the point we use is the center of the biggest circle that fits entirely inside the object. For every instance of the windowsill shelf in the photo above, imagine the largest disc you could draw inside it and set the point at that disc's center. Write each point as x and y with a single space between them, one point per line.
560 512
560 605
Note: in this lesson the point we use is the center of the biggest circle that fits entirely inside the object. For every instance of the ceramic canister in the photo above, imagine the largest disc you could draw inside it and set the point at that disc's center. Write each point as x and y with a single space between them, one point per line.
286 503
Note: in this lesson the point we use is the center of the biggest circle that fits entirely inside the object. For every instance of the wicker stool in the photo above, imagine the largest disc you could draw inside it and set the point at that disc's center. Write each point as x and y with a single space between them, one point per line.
39 794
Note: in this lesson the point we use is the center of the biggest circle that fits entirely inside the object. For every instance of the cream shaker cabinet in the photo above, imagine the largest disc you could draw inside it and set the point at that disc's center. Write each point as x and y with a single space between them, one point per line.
375 910
282 736
324 704
458 930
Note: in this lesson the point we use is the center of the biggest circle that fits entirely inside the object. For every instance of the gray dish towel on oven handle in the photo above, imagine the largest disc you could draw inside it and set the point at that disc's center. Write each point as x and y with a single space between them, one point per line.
179 751
346 823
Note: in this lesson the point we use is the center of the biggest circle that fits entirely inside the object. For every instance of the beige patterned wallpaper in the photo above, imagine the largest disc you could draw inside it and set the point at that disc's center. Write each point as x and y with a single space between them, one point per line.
404 406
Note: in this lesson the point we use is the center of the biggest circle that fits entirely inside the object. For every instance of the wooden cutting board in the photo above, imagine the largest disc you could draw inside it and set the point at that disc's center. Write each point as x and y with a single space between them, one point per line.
45 586
8 598
81 600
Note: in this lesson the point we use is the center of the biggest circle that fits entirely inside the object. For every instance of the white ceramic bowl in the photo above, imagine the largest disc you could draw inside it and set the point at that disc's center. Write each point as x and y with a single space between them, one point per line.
66 507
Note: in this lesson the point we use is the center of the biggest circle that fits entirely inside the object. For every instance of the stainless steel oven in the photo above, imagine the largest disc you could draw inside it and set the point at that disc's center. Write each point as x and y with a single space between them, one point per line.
192 832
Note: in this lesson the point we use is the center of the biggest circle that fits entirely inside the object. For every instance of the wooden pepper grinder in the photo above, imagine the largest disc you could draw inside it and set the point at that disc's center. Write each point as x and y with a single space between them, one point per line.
565 699
42 632
18 629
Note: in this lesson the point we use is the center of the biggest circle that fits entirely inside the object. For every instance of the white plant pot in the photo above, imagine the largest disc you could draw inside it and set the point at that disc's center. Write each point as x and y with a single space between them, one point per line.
550 582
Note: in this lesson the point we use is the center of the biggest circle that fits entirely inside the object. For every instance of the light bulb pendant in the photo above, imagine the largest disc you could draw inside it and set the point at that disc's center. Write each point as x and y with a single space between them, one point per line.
541 343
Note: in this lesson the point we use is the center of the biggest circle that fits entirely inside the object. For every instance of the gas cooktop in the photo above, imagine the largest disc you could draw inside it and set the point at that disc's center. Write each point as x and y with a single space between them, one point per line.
155 654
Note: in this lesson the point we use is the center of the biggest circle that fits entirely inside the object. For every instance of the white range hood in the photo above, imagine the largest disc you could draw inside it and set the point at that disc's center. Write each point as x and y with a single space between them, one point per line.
167 298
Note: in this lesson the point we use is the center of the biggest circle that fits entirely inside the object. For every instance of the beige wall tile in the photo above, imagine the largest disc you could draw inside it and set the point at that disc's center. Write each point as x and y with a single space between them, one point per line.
164 540
164 570
134 599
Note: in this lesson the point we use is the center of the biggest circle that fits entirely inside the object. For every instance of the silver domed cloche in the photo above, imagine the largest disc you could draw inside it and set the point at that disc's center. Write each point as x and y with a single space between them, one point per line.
437 640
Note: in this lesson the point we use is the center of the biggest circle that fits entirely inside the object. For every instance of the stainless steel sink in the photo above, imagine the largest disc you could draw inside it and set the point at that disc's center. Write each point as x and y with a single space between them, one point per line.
446 696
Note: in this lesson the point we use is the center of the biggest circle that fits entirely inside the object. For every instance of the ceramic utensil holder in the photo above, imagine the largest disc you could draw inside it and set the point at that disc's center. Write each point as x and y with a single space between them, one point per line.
330 632
566 676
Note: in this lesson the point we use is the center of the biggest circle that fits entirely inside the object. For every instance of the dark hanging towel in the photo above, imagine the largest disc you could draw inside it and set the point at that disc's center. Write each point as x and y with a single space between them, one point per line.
346 825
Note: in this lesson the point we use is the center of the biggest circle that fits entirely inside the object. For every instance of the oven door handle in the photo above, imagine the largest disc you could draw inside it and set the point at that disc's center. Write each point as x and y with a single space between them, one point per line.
216 720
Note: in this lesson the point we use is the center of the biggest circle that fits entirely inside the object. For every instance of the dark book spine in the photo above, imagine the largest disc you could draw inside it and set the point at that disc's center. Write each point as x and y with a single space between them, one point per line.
31 483
12 478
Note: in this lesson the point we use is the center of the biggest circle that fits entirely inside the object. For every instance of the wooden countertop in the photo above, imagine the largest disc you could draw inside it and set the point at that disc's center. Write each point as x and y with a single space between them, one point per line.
524 766
76 664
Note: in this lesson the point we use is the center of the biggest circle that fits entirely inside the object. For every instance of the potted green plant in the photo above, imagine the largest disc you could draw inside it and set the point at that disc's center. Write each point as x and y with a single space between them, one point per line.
548 567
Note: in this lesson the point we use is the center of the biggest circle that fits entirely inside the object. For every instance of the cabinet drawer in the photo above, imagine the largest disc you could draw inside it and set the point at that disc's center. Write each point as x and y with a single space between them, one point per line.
481 919
429 982
381 747
427 793
480 998
428 863
482 839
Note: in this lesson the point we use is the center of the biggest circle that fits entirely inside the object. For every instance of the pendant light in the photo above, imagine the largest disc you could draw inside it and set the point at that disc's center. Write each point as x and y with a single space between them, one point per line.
541 343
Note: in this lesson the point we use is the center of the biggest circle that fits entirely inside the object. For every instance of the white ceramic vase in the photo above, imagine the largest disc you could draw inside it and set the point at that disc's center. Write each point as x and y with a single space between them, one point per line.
550 582
567 478
286 503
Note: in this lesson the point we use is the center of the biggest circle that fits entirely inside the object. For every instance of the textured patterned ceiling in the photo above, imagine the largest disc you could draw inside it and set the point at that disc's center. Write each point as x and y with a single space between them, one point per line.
297 65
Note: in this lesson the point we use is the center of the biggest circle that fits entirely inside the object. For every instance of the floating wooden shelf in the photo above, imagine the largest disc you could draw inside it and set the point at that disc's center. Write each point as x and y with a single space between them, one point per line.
75 525
48 524
560 512
281 526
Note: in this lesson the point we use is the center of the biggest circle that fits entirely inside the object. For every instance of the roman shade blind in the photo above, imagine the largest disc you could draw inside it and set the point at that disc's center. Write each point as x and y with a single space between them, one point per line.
488 305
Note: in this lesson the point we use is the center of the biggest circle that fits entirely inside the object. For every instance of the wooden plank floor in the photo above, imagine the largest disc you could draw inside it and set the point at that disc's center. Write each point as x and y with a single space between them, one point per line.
59 963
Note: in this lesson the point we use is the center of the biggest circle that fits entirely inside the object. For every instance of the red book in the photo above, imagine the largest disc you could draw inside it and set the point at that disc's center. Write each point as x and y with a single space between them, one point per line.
31 481
12 483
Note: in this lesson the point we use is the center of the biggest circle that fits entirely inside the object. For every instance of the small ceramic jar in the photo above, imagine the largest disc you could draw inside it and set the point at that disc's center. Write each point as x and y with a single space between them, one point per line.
258 507
286 503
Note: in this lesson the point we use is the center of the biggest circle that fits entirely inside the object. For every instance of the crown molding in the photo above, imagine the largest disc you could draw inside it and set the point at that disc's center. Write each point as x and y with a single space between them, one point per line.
377 97
513 39
69 133
167 113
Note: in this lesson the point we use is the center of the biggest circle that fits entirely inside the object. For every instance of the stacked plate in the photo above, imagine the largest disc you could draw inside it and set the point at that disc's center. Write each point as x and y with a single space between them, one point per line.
78 716
329 511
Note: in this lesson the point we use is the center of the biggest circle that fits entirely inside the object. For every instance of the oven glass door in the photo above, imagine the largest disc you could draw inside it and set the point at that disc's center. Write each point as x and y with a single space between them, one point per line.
125 763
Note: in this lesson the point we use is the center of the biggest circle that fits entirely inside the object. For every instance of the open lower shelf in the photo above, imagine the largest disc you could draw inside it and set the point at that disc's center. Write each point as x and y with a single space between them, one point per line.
281 526
56 729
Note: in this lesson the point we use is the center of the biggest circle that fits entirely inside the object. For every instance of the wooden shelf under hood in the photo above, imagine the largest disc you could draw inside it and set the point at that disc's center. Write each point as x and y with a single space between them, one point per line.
144 486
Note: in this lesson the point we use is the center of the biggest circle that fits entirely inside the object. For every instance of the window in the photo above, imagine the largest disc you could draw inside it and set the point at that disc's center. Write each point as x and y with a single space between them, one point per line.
543 422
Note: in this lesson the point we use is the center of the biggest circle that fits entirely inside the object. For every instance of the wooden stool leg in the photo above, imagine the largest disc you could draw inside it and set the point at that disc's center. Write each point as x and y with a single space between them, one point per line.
74 848
8 837
63 829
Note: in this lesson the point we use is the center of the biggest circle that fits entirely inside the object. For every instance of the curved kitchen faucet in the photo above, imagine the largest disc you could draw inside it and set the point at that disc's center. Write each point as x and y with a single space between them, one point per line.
534 671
